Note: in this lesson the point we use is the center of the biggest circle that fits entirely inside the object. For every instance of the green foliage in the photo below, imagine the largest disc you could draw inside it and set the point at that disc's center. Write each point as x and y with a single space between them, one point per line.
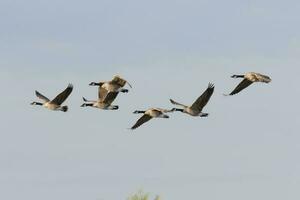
140 195
157 198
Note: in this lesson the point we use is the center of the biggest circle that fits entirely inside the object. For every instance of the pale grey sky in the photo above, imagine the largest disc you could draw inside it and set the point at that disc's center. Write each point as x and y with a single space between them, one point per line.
246 149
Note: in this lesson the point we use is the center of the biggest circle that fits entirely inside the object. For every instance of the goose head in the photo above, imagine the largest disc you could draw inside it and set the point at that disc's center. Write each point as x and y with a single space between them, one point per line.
96 84
138 112
36 103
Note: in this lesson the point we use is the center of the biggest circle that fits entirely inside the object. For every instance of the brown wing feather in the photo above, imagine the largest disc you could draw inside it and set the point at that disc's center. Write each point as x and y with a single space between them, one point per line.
204 98
110 97
59 99
119 81
141 121
42 97
245 83
102 92
176 103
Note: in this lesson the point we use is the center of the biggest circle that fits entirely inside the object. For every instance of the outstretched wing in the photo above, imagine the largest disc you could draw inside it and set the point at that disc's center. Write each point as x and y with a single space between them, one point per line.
204 98
163 110
59 99
176 103
42 97
119 81
110 97
102 92
245 83
141 121
263 78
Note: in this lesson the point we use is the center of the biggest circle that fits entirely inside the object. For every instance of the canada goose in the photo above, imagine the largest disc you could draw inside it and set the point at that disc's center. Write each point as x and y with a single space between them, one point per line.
115 85
54 104
196 108
104 101
248 79
149 114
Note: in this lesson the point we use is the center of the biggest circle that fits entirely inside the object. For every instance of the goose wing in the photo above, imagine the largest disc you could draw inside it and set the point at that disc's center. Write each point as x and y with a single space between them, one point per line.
245 83
102 92
263 78
176 103
110 97
59 99
163 110
119 81
42 97
204 98
141 121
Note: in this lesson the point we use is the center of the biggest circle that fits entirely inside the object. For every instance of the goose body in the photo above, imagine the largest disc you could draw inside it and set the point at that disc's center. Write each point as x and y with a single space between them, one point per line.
115 85
104 105
149 114
107 93
105 99
54 104
196 108
248 79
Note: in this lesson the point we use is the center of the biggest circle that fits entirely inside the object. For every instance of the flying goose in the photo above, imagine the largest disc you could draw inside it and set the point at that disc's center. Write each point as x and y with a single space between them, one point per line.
196 108
104 101
248 79
54 104
149 114
115 85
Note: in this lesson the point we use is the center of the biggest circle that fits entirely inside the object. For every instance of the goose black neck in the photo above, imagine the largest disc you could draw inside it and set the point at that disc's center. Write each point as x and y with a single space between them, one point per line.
94 84
238 76
37 103
87 104
178 109
139 111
